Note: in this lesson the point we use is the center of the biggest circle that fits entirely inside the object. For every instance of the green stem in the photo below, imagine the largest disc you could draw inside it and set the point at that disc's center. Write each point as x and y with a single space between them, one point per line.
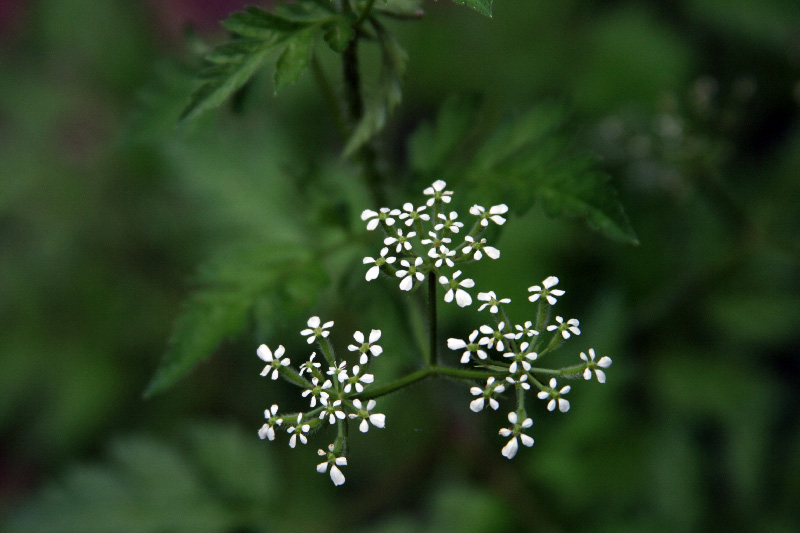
432 353
422 374
364 15
329 96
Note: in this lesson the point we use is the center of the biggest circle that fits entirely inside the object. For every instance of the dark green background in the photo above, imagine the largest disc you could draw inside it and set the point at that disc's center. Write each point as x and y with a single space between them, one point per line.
106 212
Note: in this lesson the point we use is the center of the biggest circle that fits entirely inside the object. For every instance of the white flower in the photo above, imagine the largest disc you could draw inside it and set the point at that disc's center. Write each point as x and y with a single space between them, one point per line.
525 330
470 347
315 331
340 371
604 362
274 361
442 255
410 214
491 251
491 300
357 379
522 382
376 419
449 222
335 462
555 397
570 327
492 387
493 214
546 291
522 358
310 366
374 270
511 447
332 411
497 336
299 430
463 299
366 346
317 391
375 218
401 240
437 192
435 240
268 429
409 273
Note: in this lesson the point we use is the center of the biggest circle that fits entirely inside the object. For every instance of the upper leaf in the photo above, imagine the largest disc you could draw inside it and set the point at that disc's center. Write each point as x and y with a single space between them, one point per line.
483 7
295 58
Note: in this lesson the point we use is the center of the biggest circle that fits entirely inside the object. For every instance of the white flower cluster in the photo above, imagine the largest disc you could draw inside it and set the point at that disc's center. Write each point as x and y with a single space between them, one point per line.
508 352
332 392
426 246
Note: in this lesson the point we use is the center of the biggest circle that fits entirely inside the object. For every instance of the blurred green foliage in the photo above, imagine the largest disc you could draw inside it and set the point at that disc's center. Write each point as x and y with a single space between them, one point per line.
106 211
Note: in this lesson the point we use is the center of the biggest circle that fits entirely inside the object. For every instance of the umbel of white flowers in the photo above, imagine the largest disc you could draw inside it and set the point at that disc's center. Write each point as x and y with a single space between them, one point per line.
502 353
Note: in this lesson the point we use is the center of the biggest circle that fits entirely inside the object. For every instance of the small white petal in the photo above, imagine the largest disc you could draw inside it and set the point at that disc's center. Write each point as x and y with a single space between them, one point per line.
476 405
601 376
336 476
463 298
526 440
456 344
407 283
510 449
322 467
363 427
378 420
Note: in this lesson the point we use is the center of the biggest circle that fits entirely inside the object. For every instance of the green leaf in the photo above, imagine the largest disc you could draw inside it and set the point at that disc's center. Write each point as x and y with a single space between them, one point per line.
484 7
338 34
259 24
388 92
230 286
400 8
294 59
218 482
530 158
432 145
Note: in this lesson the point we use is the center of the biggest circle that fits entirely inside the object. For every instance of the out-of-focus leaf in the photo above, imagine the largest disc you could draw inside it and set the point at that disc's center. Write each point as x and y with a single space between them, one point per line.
484 7
399 8
432 144
219 484
294 59
338 34
231 285
258 24
388 92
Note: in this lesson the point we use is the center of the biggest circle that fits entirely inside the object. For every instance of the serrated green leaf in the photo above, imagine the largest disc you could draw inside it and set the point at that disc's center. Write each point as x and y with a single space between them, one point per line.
484 7
259 24
432 144
231 284
388 92
338 34
222 80
400 8
295 58
218 485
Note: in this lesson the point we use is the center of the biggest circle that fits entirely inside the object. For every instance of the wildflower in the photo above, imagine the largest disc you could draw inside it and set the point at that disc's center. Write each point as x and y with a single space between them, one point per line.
435 240
437 192
317 391
315 331
410 215
335 462
471 347
555 397
377 419
449 222
332 411
310 366
401 240
443 255
604 362
340 371
520 380
487 393
491 251
274 361
268 429
493 214
496 338
510 449
525 330
377 263
546 291
374 218
521 359
463 298
298 430
366 346
491 300
409 273
357 380
566 328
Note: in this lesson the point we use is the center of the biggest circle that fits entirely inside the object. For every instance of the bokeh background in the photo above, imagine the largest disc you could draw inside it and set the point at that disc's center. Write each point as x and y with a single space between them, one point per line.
106 211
